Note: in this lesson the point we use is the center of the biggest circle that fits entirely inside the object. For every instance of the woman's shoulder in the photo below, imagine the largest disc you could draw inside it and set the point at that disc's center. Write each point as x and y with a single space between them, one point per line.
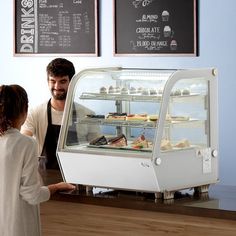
21 139
27 139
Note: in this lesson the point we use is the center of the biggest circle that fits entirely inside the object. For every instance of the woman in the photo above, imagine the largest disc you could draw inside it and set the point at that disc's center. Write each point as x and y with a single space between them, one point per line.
20 185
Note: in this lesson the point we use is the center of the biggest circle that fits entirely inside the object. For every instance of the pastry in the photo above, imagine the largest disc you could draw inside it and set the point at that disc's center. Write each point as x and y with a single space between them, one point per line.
137 117
179 118
177 92
117 89
153 92
140 142
185 91
145 91
156 117
124 91
160 91
132 90
168 117
165 145
153 117
103 90
139 90
119 141
116 116
182 144
95 116
101 140
111 89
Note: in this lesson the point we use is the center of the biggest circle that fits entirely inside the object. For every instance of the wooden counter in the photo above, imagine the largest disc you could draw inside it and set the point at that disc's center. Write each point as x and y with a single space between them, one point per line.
108 212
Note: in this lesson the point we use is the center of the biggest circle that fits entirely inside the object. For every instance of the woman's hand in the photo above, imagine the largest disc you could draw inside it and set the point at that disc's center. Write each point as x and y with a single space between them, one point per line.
62 186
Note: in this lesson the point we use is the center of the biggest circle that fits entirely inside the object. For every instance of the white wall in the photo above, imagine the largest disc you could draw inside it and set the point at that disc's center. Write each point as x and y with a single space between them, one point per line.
217 37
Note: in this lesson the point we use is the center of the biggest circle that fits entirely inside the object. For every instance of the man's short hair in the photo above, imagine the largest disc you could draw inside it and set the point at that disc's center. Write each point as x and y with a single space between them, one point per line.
60 67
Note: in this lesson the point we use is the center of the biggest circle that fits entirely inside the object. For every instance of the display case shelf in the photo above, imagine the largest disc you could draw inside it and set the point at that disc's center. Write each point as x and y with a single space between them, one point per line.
121 97
138 97
138 124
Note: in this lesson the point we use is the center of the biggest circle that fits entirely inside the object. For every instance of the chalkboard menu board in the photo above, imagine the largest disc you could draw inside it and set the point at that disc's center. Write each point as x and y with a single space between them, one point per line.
155 27
56 27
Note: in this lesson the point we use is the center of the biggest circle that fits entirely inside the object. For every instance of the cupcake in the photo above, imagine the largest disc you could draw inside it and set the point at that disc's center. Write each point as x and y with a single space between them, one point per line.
139 90
145 91
153 92
103 90
124 91
185 91
133 90
111 89
160 91
177 92
117 89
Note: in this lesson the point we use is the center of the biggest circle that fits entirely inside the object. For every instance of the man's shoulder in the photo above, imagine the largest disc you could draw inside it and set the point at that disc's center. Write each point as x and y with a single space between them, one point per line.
39 108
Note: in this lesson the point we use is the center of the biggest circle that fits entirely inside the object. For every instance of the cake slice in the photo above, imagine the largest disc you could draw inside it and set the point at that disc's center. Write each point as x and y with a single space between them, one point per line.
119 141
140 142
116 116
101 140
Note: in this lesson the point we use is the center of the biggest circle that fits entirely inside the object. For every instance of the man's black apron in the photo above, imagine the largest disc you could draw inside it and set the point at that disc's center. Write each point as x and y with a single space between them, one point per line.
51 139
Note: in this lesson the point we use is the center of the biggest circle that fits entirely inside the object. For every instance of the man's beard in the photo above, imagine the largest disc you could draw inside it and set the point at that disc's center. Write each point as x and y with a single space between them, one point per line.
61 96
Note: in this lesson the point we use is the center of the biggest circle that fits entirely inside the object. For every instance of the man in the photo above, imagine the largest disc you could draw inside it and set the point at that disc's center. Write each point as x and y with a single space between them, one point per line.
44 121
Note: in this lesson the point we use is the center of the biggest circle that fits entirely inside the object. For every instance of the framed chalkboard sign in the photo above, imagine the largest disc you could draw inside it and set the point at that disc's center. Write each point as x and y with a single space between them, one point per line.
56 27
155 27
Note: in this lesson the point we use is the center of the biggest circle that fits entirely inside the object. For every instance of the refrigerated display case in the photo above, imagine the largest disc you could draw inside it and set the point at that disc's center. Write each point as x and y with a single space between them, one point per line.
148 130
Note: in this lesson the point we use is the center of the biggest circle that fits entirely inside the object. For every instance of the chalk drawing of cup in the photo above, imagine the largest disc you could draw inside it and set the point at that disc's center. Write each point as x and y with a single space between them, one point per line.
165 15
167 31
173 45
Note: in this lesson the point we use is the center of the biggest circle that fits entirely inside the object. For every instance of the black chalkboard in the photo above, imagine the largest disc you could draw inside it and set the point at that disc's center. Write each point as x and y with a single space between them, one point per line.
155 27
56 27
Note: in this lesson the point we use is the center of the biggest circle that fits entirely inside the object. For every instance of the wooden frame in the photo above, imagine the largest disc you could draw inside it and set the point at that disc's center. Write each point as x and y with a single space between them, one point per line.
155 27
47 27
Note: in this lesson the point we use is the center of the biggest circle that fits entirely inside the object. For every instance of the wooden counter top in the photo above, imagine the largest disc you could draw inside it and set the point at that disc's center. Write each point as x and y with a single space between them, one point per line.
219 202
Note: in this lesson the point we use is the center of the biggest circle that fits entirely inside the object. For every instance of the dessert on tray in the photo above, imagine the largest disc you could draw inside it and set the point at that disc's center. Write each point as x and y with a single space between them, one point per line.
101 140
137 117
95 116
103 90
124 90
166 145
116 116
119 141
111 89
133 90
179 118
185 91
153 117
182 144
140 142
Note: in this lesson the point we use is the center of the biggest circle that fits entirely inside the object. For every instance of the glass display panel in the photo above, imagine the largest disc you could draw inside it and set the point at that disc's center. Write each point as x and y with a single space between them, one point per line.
119 110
